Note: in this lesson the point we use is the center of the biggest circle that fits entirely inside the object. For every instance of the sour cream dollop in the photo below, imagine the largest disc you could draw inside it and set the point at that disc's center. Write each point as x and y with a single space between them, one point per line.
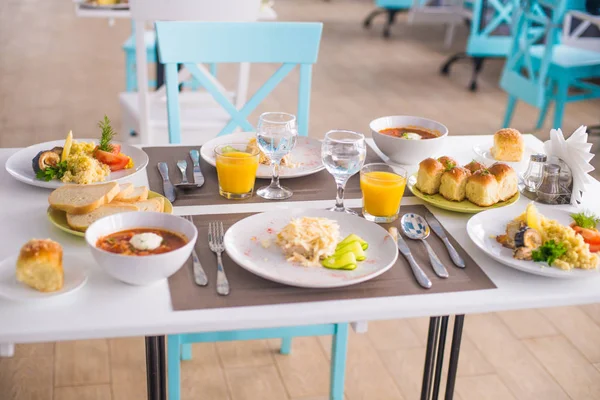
411 136
146 241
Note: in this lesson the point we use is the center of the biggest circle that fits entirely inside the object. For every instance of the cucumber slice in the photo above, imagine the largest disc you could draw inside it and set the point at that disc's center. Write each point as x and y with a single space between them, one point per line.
344 261
353 238
228 149
353 247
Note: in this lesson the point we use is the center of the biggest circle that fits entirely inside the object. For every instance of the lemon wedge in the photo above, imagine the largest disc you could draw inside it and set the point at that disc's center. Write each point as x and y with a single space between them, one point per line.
533 218
67 146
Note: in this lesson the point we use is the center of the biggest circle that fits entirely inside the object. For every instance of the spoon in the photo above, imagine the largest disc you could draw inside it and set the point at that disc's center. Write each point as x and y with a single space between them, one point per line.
415 227
184 184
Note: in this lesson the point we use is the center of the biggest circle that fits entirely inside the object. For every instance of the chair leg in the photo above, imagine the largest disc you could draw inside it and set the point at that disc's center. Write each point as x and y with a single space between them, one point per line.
371 16
286 345
445 70
338 361
173 366
477 67
130 77
562 89
186 351
544 110
510 108
389 23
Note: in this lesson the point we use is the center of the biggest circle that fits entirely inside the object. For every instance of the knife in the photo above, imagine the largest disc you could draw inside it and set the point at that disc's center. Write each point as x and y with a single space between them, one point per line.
437 228
420 276
198 177
168 188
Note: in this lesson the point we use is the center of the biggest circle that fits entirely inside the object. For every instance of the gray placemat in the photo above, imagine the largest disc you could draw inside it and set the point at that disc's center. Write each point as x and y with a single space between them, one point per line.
319 186
248 289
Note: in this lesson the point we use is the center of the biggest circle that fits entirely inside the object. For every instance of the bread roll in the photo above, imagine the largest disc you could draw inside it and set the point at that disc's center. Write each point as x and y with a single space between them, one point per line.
475 166
429 176
454 184
482 189
40 265
448 162
508 181
508 145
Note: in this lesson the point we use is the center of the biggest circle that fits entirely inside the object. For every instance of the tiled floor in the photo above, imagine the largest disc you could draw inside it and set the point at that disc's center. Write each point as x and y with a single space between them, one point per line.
58 72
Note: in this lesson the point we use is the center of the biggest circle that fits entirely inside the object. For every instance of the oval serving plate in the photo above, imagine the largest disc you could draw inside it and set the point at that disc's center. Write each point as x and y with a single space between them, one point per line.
59 218
484 227
464 206
19 164
306 155
245 243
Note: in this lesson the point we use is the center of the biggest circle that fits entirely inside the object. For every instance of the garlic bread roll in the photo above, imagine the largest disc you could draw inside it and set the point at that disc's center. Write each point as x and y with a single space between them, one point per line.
475 166
429 176
482 189
448 162
40 265
508 145
508 182
454 184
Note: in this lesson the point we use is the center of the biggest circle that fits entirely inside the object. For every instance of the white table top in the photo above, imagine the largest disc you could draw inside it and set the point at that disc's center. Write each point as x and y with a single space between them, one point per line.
108 308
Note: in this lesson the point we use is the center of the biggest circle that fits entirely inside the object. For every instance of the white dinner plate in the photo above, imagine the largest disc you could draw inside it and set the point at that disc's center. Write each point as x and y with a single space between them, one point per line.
306 155
75 277
245 244
484 156
485 226
19 165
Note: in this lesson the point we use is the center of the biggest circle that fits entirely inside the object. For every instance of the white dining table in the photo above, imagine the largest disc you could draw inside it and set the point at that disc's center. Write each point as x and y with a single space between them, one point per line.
107 308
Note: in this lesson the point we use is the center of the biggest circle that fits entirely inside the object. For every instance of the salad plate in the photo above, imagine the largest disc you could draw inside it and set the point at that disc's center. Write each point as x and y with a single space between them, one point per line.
306 155
484 227
251 243
19 165
76 276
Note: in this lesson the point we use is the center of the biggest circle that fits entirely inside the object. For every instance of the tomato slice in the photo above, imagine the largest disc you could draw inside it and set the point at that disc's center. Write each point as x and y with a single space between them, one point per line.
590 236
116 148
115 162
595 248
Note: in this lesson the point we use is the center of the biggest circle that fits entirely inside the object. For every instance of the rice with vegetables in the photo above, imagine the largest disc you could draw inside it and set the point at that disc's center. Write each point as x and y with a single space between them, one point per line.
578 253
82 167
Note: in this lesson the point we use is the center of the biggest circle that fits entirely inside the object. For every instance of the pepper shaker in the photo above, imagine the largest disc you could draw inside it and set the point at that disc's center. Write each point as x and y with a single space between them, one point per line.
549 190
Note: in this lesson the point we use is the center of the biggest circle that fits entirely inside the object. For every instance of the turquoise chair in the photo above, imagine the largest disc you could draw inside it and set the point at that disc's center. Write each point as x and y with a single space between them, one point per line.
290 44
391 8
540 70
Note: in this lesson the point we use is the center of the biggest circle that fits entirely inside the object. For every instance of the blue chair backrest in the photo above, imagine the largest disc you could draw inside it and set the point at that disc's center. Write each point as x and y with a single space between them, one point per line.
538 22
490 34
191 43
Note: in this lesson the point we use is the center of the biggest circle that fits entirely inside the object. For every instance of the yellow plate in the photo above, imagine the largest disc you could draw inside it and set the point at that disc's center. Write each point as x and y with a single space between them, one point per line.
464 206
59 218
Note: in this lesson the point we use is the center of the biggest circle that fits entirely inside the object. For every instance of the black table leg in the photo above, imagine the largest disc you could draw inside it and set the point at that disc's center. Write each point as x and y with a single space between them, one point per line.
432 338
459 321
156 368
439 363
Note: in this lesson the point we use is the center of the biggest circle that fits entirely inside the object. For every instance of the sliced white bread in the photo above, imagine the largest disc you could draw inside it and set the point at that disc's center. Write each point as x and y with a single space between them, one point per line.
83 221
139 193
82 199
156 204
125 190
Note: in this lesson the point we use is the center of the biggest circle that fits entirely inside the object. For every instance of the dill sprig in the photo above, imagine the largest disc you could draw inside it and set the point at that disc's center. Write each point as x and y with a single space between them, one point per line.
107 135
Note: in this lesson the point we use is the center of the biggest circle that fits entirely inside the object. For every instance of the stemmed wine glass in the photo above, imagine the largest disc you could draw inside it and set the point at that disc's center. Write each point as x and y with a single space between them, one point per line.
343 154
276 135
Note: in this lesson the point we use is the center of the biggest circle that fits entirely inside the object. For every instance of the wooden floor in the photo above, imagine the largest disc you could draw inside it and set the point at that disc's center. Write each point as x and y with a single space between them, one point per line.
58 72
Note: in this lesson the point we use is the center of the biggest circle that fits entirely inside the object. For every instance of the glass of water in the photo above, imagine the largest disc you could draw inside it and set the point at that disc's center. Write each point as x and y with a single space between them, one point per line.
276 135
343 154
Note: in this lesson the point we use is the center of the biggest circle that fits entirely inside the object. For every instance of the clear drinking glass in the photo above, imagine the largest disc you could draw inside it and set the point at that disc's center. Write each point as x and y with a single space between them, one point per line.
276 135
343 154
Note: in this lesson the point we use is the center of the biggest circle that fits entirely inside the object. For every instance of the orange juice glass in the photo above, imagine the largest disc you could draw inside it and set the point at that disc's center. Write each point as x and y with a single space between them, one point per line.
236 170
382 188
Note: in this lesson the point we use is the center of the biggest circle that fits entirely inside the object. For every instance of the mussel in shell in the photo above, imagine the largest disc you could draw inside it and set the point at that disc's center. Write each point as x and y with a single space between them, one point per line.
45 159
58 150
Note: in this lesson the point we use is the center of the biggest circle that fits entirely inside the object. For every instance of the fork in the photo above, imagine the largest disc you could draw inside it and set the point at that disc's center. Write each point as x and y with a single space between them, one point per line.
215 242
199 274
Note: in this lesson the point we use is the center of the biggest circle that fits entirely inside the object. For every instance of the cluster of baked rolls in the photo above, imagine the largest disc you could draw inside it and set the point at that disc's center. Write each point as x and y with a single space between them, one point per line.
474 182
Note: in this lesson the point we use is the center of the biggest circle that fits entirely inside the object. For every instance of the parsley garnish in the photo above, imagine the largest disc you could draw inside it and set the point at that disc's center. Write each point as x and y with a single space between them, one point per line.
585 220
549 252
55 172
107 135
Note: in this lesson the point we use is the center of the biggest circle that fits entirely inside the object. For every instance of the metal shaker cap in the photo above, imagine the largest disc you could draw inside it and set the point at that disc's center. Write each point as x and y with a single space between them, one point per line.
538 158
552 168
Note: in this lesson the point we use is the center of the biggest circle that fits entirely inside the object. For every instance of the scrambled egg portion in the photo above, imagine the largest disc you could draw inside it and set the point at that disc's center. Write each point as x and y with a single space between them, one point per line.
83 168
578 252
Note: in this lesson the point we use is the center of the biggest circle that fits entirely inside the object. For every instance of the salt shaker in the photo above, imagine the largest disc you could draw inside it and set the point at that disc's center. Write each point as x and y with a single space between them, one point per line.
533 176
549 190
